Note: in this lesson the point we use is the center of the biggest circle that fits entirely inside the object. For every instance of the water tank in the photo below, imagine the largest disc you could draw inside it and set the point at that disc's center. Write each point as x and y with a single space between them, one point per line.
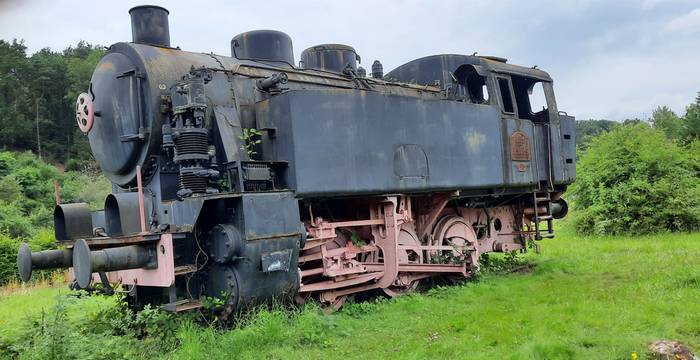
329 57
268 45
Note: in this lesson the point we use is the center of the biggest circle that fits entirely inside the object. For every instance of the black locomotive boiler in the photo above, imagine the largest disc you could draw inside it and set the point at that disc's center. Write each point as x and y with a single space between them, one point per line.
250 176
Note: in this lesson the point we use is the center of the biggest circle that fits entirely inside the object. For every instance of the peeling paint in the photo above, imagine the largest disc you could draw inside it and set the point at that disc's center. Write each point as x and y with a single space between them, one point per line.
474 140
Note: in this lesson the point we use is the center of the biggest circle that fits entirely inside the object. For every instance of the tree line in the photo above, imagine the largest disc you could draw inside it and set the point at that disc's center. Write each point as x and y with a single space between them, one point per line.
638 176
683 129
37 99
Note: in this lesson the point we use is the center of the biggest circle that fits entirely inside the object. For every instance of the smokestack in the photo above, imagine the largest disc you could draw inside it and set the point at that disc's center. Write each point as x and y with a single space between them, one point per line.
149 25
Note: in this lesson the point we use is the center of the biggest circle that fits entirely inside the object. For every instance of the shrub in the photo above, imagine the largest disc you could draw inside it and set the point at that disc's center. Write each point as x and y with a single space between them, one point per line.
43 240
82 187
10 190
7 162
95 327
73 165
27 203
8 258
634 180
13 220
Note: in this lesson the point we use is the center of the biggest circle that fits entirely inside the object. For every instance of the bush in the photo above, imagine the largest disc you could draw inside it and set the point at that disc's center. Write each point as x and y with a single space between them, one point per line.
9 246
73 165
7 162
14 221
82 187
8 258
27 203
95 327
634 180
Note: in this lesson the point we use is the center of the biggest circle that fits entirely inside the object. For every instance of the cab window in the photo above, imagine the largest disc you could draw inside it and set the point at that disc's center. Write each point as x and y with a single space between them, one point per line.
506 95
472 84
530 98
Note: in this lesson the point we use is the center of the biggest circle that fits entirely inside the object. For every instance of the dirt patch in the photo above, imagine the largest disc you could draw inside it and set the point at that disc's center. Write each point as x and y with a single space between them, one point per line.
670 350
523 269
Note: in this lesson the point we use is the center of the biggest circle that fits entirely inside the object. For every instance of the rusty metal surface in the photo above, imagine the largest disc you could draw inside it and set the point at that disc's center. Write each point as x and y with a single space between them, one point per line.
339 266
118 240
520 147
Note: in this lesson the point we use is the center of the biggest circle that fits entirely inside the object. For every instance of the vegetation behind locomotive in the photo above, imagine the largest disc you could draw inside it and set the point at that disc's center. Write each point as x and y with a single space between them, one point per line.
246 177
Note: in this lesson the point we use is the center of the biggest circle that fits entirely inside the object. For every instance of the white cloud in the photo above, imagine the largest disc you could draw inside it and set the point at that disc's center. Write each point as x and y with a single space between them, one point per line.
608 59
689 21
622 86
650 4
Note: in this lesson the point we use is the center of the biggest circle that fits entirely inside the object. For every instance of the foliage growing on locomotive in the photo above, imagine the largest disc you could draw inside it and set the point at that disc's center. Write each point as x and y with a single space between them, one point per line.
248 177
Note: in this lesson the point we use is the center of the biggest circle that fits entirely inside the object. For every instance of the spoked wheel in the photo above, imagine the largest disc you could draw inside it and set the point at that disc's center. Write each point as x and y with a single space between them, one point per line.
404 284
455 232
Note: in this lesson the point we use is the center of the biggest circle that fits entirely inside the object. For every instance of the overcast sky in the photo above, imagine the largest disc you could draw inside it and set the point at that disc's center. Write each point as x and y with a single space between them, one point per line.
609 59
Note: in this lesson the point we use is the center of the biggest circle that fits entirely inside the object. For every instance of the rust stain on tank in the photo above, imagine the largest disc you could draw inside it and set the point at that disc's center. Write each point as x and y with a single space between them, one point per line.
107 65
166 50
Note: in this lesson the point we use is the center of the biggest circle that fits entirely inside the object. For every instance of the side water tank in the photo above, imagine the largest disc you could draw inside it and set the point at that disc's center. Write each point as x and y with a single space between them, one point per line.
267 45
330 57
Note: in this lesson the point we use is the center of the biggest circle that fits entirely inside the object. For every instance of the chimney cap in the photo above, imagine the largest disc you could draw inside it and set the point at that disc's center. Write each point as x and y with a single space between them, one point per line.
149 7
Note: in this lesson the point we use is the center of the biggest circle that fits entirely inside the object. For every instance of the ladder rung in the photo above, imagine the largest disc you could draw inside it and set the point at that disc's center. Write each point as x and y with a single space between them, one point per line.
182 305
545 217
185 269
190 305
547 235
542 199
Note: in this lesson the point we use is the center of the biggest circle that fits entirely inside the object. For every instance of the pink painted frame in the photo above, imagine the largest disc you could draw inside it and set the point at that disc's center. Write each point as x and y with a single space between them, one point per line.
162 276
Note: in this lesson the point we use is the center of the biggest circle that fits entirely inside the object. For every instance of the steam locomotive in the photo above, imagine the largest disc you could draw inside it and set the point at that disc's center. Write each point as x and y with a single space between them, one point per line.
249 177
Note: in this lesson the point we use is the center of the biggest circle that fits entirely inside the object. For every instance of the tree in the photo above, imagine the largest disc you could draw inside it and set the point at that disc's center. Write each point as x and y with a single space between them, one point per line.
15 103
39 91
47 87
691 121
667 121
586 130
634 180
81 62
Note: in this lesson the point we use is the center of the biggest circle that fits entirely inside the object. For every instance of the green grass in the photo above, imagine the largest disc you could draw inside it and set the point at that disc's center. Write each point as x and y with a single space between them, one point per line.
587 298
17 308
23 308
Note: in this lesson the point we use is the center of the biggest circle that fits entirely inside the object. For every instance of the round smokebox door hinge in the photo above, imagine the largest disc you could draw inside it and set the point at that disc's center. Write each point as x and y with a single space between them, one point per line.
84 112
